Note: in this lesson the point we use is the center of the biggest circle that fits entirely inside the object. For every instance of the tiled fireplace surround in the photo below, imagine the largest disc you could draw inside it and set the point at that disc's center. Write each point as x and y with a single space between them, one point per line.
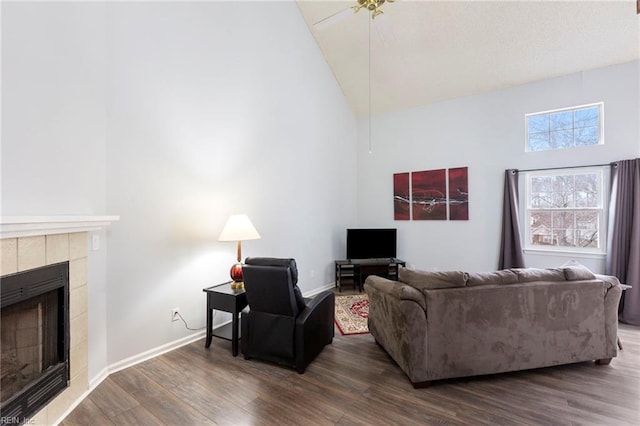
24 253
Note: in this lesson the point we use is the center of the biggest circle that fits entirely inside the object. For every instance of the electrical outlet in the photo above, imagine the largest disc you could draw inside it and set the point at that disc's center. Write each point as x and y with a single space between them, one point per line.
175 314
95 242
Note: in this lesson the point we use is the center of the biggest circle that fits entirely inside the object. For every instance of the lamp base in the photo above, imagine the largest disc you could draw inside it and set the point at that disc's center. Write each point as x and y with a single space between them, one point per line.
236 276
237 285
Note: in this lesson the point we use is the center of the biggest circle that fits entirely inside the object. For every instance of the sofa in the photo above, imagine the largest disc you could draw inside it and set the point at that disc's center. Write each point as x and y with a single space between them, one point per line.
449 324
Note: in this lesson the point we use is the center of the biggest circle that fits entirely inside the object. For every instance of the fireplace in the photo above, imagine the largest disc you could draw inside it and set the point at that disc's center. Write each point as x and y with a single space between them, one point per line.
34 340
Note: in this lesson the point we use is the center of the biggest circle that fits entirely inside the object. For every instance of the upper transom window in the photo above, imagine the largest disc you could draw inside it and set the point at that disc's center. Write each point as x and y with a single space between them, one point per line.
565 128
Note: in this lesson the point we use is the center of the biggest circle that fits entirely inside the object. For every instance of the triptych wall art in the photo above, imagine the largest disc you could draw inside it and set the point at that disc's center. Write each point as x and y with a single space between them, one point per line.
431 195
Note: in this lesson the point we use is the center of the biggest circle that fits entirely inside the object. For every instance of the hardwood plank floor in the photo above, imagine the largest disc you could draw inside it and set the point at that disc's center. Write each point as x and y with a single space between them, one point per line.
354 382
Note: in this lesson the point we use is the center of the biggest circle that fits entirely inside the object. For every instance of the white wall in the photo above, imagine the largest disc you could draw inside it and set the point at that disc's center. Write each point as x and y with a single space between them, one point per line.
53 145
486 133
216 108
174 115
53 109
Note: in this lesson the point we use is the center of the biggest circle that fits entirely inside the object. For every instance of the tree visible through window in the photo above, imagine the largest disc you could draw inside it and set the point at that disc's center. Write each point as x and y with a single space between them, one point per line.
565 210
565 128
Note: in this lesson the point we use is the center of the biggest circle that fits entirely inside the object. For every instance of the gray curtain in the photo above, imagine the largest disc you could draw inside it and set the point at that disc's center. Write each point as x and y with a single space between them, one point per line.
623 245
511 247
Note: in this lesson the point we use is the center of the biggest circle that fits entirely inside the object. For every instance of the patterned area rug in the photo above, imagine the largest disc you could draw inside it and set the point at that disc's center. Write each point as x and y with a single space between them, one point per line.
352 312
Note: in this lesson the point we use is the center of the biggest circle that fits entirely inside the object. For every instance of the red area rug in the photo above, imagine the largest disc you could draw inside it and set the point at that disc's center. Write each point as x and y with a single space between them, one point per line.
352 312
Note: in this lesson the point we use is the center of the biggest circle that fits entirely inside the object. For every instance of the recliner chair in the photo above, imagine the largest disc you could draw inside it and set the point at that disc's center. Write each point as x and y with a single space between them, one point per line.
281 326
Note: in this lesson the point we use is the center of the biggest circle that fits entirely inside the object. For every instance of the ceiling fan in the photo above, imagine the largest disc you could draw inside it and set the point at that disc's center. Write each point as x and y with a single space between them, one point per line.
373 6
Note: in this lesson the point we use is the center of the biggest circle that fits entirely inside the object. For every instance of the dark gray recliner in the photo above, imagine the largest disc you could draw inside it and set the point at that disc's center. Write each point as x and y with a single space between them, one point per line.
281 326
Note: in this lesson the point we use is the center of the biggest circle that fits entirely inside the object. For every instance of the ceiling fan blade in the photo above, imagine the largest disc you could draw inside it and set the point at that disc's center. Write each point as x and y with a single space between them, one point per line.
334 18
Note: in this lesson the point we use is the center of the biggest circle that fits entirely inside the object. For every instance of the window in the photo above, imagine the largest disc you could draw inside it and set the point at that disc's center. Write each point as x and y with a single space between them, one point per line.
564 210
565 128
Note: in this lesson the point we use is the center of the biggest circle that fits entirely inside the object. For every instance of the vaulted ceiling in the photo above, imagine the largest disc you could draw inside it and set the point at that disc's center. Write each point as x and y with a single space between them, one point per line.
424 51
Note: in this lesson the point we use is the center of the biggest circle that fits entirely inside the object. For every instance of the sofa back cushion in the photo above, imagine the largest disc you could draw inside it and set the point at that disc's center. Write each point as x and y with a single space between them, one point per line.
526 275
427 280
577 273
430 280
505 276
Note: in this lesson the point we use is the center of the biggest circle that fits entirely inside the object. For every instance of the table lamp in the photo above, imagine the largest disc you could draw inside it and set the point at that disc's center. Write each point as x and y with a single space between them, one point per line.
238 228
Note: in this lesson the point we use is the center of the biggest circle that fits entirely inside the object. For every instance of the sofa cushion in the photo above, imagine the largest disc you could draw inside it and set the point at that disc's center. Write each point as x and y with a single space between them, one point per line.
577 273
427 280
526 275
505 276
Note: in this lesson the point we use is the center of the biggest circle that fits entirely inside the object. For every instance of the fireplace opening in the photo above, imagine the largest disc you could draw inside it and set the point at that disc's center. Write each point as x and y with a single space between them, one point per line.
34 346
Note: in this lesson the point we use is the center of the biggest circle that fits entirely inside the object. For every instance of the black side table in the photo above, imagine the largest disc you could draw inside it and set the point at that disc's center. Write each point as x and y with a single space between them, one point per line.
224 298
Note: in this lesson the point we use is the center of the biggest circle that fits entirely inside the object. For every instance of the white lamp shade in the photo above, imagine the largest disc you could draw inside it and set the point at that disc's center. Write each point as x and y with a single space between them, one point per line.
238 228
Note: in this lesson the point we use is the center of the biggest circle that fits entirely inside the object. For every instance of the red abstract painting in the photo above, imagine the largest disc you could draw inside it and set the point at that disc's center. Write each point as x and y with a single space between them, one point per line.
429 198
401 201
458 194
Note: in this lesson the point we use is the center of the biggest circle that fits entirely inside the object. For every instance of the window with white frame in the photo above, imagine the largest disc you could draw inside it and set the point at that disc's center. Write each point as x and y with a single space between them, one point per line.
565 128
565 210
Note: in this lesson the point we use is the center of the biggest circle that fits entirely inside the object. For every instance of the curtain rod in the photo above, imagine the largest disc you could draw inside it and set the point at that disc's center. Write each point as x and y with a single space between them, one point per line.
568 167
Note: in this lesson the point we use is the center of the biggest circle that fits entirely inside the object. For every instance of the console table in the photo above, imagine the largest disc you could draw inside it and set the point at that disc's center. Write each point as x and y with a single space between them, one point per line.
355 271
224 298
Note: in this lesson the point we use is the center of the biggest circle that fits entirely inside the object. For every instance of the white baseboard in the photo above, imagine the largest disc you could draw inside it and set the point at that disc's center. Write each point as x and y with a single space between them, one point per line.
152 353
99 378
312 293
72 407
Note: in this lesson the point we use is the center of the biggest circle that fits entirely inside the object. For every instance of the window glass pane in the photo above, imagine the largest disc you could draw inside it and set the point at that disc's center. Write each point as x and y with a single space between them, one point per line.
541 192
586 238
562 220
563 226
561 120
586 219
586 190
587 117
563 188
563 237
561 139
541 228
539 142
538 123
567 128
587 136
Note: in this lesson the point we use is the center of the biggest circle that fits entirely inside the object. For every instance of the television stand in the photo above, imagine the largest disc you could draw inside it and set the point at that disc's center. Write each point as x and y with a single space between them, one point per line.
353 272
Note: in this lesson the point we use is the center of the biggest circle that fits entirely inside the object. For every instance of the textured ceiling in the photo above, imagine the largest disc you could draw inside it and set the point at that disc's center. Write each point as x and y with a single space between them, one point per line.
425 51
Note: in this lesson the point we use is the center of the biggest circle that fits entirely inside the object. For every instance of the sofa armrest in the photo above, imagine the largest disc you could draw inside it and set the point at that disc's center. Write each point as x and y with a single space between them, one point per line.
609 280
613 292
394 289
398 322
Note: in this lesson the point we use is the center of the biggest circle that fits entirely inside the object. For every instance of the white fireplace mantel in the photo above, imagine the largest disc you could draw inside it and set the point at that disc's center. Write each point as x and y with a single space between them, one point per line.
28 226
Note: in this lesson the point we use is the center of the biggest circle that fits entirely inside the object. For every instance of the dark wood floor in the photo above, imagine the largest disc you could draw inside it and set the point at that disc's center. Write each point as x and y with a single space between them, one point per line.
354 382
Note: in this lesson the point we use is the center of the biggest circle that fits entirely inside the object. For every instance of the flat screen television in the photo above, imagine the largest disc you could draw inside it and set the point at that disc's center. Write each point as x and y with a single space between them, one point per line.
378 243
